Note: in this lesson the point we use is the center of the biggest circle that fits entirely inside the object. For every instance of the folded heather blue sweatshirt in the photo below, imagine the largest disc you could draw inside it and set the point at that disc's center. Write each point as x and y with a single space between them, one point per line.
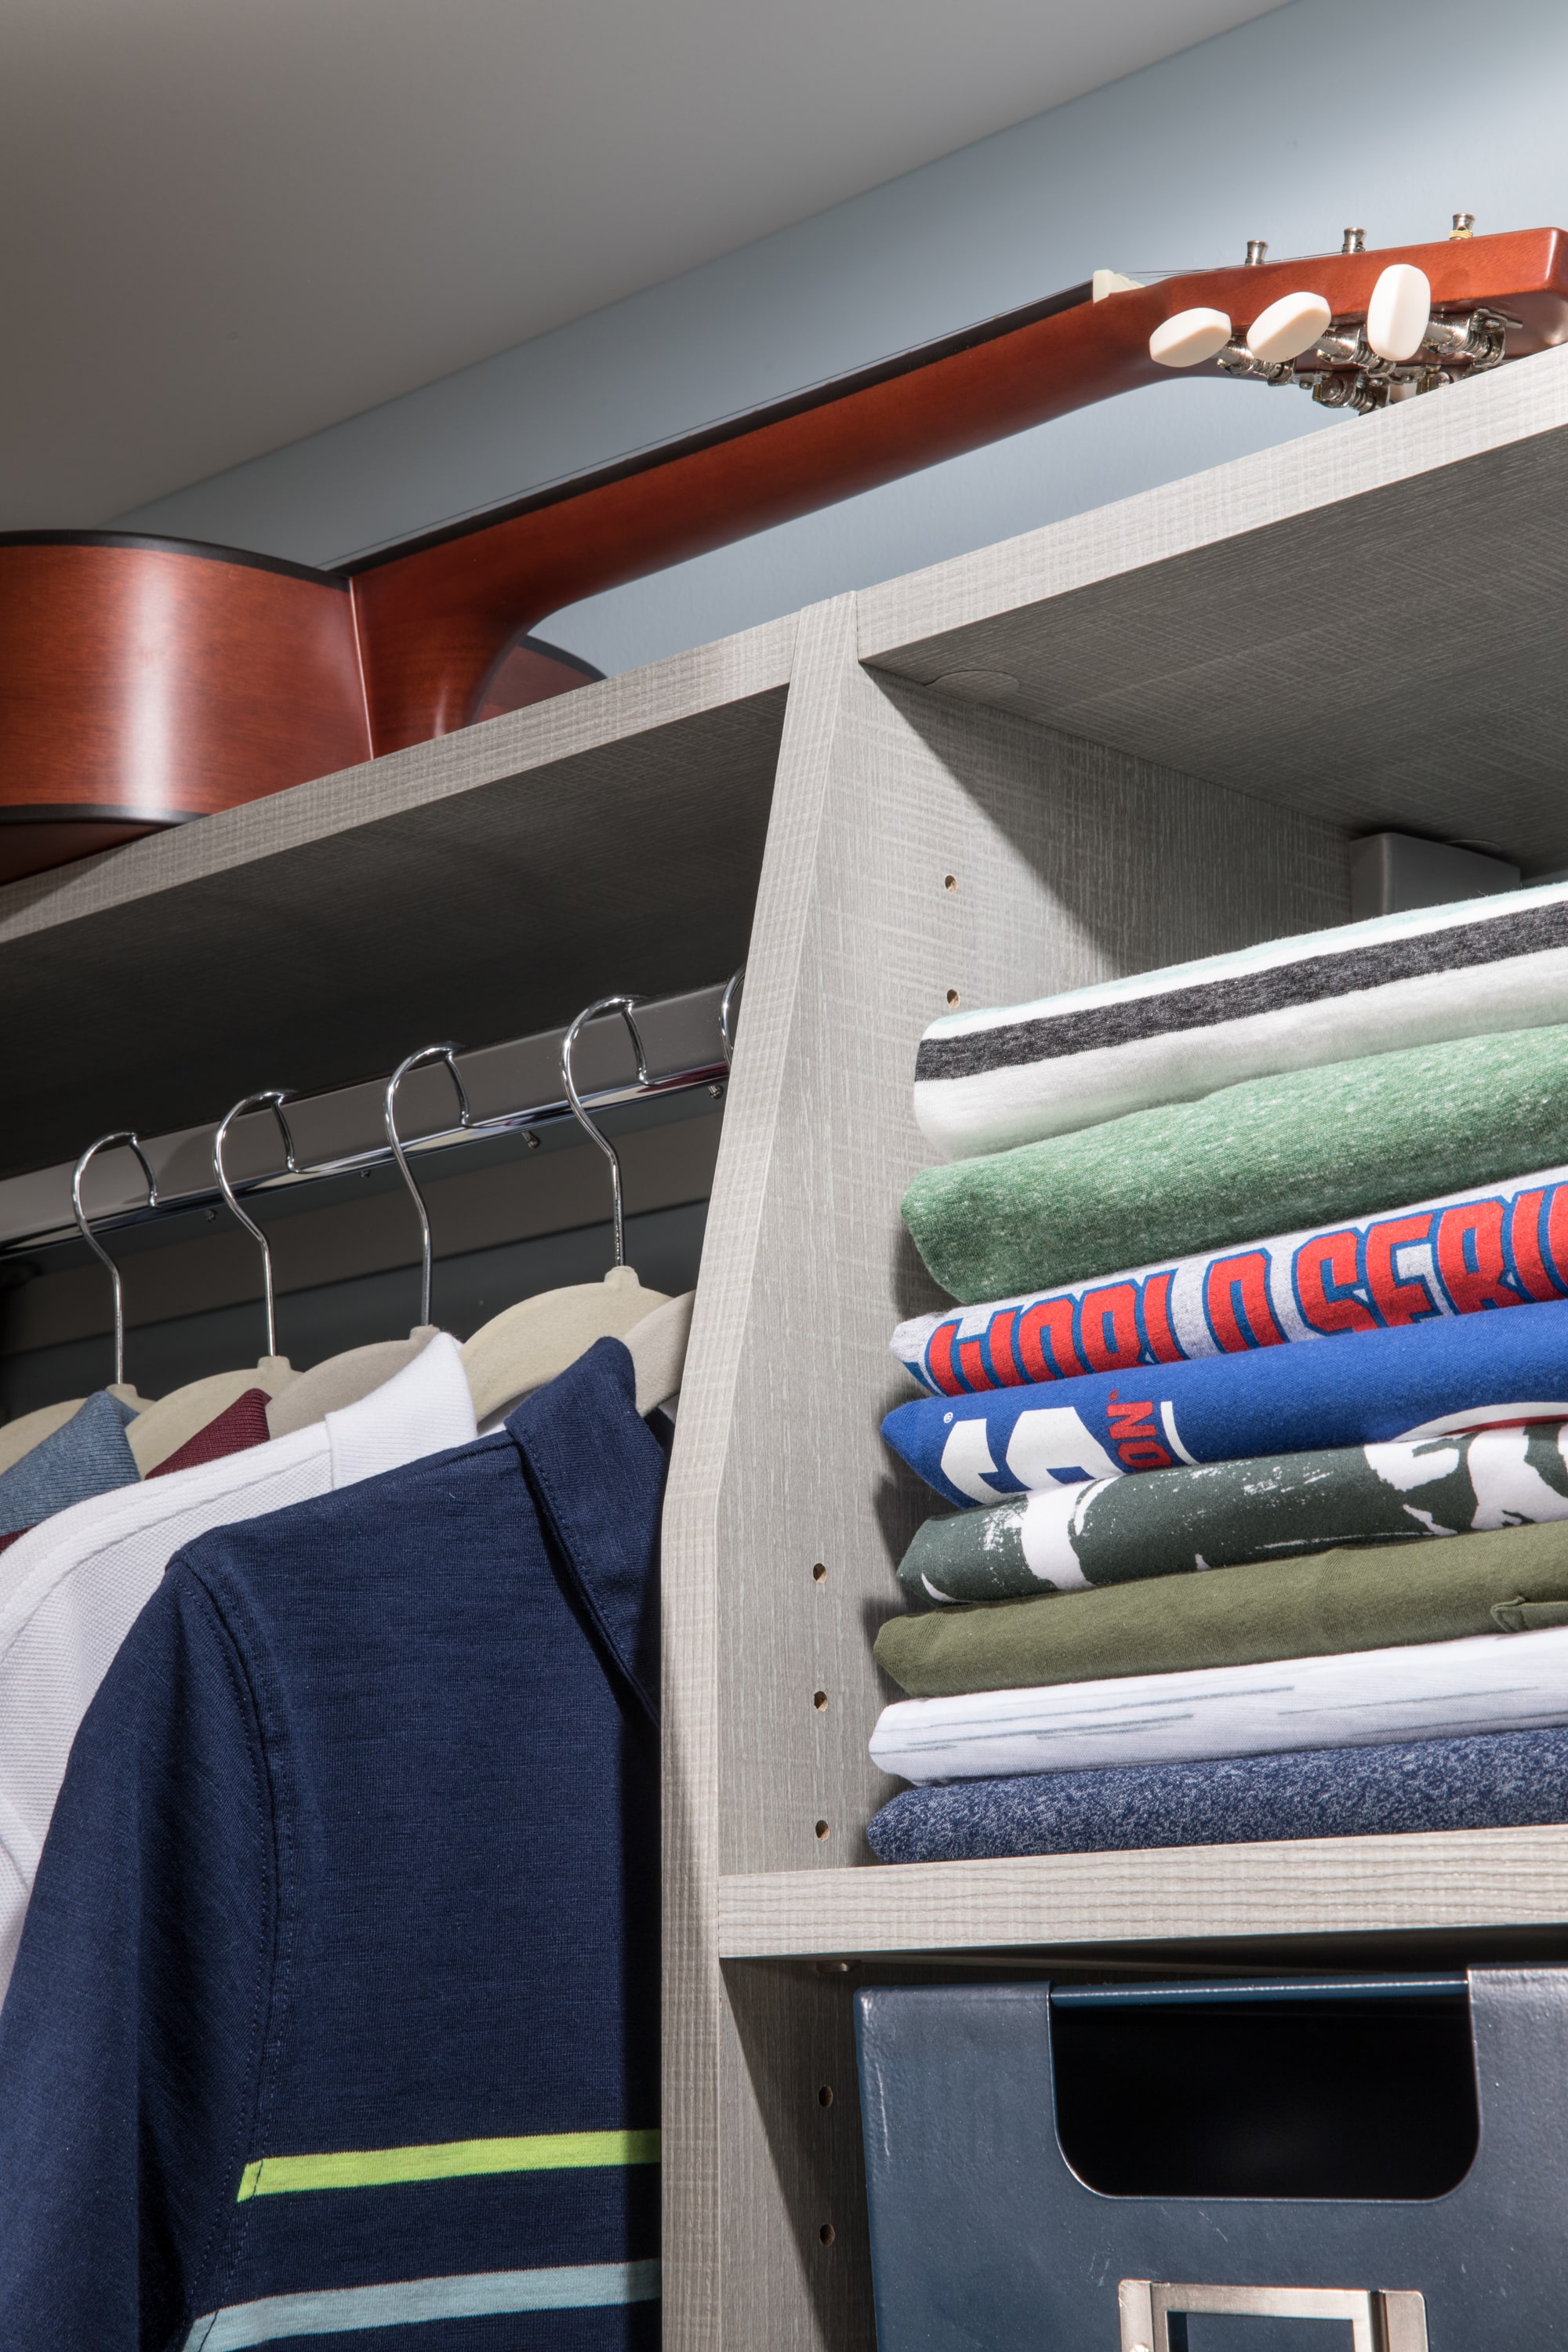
1417 1379
1498 1779
336 2012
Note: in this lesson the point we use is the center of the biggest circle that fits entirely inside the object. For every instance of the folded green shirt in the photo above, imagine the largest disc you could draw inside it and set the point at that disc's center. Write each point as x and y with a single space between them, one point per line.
1266 1156
1514 1580
1228 1513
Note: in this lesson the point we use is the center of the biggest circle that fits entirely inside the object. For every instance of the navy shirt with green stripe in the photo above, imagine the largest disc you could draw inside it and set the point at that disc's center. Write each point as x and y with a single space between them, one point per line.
336 2013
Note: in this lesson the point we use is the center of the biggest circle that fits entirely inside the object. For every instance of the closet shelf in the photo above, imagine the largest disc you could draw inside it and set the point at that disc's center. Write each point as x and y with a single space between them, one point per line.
1363 625
487 884
1457 1879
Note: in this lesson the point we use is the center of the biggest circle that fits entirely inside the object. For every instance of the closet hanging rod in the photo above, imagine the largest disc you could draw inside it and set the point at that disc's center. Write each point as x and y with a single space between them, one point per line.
687 1050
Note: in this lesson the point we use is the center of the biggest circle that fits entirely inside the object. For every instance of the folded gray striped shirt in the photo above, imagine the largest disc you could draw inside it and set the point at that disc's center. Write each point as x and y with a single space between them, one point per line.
985 1081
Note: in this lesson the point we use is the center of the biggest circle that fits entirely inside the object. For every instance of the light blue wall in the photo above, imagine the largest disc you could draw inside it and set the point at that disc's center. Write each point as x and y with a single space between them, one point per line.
1389 113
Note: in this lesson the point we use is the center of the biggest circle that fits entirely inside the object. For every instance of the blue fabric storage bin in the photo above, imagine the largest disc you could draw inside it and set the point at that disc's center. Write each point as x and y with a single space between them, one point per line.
1028 2149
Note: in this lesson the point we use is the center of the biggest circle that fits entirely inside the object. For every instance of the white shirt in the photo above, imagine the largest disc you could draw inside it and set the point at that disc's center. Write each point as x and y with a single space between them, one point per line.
73 1587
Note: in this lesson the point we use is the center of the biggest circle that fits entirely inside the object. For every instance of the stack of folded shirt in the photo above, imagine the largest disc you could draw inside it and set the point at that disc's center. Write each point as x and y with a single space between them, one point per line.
1174 1182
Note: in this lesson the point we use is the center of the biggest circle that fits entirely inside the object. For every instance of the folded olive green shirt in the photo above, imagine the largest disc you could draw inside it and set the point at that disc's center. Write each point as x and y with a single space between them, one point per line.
1511 1581
1266 1156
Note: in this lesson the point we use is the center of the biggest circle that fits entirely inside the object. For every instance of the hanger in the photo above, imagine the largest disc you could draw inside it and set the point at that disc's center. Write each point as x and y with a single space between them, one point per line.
520 1349
18 1437
164 1427
342 1380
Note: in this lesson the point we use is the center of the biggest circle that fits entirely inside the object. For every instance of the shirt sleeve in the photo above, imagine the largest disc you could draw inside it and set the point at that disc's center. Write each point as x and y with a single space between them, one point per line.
131 2034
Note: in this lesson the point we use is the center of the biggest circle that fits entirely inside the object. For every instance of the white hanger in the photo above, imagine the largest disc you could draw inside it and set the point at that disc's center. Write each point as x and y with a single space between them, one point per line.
657 1350
517 1350
176 1419
344 1379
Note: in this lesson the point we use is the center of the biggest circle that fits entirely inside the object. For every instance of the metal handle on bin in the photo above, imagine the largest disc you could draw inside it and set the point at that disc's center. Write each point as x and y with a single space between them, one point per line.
1383 2319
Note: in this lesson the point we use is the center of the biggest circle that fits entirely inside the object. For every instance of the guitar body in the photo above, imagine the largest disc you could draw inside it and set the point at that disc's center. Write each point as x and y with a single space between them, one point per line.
146 681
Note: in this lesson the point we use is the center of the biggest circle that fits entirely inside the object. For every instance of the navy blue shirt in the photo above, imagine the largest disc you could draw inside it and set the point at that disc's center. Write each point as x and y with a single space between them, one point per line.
336 2012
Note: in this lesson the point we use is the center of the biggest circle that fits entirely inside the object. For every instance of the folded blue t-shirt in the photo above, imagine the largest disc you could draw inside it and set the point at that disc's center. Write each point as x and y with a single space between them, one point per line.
1360 1387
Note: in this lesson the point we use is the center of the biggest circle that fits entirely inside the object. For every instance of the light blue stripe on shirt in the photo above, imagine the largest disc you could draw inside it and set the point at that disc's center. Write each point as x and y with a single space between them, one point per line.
406 2302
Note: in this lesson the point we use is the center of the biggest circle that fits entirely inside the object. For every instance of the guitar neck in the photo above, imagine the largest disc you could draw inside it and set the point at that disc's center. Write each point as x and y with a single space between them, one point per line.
434 614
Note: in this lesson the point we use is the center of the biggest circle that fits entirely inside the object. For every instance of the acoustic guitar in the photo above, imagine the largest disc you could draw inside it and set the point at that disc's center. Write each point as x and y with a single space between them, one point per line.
145 681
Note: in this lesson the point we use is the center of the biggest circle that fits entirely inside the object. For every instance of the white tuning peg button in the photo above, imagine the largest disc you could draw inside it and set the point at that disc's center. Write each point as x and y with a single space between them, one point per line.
1288 327
1398 315
1189 337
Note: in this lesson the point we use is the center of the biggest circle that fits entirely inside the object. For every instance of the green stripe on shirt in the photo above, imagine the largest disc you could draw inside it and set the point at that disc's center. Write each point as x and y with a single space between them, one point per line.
451 2159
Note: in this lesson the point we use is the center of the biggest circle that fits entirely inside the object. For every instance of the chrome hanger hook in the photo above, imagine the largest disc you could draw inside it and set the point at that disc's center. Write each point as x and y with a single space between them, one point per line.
732 988
426 1054
133 1142
624 1006
273 1100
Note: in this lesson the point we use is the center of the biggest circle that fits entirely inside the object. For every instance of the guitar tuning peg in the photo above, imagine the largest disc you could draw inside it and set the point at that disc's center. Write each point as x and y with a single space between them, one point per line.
1288 327
1190 337
1398 312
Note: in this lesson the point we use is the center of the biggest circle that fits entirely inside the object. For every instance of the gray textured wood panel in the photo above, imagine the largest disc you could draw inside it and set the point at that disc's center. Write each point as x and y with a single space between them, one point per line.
792 2167
1365 624
716 2160
1067 863
1454 1879
488 884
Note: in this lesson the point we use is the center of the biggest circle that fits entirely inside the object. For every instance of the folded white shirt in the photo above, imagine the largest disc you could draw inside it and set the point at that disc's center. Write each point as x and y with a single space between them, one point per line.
1431 1690
72 1588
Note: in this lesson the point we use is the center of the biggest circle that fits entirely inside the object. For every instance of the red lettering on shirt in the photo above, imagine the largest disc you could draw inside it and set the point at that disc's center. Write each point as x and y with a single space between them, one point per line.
1557 1233
1007 1372
1470 1262
1325 1276
1131 1418
1143 1454
1048 1325
1395 1301
1236 1296
1524 1246
1107 1327
938 1360
1155 1302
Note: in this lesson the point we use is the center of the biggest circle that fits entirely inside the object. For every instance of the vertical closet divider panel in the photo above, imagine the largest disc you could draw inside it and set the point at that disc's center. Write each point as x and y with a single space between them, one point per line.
918 845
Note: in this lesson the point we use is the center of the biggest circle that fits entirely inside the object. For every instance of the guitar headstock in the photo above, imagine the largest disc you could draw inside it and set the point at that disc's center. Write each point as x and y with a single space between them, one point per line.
1359 330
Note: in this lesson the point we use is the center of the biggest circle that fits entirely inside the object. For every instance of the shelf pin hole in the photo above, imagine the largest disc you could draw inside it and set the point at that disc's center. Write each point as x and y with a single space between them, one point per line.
827 2234
819 1700
953 1000
819 1574
950 881
825 2097
822 1830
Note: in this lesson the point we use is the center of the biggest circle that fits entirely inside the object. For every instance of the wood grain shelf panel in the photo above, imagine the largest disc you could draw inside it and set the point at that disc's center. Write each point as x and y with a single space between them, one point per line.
1363 624
1458 1879
485 884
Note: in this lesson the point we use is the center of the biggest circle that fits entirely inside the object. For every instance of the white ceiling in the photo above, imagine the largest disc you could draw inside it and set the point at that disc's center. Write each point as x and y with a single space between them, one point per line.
232 222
